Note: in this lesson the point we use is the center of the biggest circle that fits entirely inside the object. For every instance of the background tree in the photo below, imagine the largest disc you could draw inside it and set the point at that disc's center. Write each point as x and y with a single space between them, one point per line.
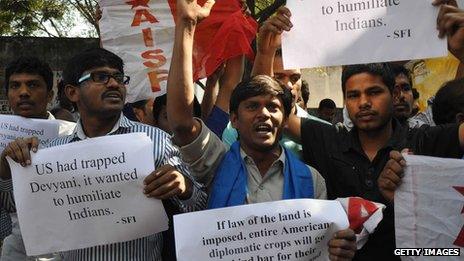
51 18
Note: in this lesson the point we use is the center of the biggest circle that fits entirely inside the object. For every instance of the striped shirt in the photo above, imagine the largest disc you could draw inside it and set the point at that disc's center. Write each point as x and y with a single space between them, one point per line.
147 248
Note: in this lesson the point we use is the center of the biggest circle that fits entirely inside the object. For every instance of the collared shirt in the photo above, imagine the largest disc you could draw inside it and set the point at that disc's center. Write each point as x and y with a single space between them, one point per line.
205 153
270 187
338 155
147 248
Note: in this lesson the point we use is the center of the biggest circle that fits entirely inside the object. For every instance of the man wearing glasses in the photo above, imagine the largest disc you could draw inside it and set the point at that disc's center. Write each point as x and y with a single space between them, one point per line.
95 81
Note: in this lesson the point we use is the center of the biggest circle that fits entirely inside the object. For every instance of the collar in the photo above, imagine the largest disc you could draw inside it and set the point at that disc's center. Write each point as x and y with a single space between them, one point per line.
352 142
50 116
122 122
248 159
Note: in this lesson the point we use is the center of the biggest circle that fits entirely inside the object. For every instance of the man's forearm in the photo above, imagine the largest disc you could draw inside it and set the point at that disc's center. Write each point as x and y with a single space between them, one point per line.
180 85
263 64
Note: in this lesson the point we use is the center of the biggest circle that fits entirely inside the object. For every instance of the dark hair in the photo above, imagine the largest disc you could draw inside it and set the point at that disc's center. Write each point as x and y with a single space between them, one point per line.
448 102
260 85
29 65
158 104
380 69
161 101
327 103
401 70
87 60
139 104
63 100
305 91
415 94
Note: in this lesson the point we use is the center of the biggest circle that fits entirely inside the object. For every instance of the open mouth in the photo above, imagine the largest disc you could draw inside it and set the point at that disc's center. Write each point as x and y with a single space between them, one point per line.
263 128
112 95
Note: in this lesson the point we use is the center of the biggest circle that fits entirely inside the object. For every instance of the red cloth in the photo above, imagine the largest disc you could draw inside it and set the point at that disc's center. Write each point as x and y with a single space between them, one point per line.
226 33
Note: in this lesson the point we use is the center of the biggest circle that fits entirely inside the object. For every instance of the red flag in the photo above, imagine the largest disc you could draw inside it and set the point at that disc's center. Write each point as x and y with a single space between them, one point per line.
226 33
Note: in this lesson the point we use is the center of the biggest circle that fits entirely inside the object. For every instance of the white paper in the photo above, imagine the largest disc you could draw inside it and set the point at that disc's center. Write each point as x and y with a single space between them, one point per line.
428 204
320 37
111 191
13 127
260 231
119 36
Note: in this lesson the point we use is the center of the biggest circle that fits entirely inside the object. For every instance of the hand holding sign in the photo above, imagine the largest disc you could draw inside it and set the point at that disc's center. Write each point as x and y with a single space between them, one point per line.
335 32
270 33
191 11
342 245
167 182
450 23
63 193
19 151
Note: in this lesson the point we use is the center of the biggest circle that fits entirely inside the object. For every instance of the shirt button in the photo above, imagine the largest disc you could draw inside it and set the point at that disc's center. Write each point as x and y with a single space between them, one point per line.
370 171
369 183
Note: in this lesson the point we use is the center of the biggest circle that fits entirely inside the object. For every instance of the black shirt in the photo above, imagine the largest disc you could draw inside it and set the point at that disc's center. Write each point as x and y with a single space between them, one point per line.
348 172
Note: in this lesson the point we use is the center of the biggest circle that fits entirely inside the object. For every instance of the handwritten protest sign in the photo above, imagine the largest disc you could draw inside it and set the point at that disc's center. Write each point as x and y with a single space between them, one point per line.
282 230
429 204
87 193
342 32
13 127
141 32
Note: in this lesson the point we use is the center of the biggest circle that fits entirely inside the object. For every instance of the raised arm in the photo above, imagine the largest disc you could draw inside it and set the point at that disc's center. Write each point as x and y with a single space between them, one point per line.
269 40
450 24
180 89
232 76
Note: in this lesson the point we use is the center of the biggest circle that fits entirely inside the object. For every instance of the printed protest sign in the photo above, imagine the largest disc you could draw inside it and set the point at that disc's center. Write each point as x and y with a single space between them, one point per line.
281 230
141 32
342 32
13 127
429 204
87 193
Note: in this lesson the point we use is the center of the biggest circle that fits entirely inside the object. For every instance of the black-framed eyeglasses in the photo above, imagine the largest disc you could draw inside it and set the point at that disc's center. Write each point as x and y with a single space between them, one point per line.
104 78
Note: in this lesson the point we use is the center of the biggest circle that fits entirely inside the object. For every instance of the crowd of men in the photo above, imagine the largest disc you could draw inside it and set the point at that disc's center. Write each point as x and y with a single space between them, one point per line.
249 141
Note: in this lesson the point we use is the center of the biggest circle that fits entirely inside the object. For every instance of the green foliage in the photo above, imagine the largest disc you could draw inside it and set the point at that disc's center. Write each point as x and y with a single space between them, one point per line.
44 17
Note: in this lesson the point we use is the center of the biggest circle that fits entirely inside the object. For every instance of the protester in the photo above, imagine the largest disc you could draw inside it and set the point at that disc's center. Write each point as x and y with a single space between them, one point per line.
95 82
326 110
304 98
291 79
403 96
28 84
352 161
259 109
448 108
143 111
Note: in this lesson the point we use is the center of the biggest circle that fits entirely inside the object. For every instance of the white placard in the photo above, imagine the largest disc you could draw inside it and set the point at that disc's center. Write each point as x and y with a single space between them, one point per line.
13 127
142 34
281 230
342 32
429 205
87 193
